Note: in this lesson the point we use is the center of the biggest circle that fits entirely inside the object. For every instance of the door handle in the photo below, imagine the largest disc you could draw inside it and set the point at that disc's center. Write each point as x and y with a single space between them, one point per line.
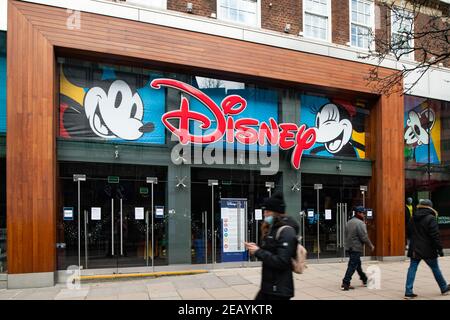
85 238
112 226
121 229
341 231
338 226
304 231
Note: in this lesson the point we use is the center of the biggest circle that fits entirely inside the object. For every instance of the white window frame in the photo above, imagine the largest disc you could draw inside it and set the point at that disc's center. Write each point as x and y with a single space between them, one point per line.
410 56
372 23
329 33
143 4
258 15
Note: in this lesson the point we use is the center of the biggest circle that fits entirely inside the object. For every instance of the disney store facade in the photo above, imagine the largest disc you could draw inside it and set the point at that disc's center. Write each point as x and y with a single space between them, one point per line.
148 148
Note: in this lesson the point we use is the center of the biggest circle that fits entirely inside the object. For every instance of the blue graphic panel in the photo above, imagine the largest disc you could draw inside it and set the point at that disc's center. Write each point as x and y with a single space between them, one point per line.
154 107
262 105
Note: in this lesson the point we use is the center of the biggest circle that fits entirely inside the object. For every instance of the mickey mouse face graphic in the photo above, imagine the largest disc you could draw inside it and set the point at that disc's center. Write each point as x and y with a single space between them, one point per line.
115 113
111 108
334 128
418 125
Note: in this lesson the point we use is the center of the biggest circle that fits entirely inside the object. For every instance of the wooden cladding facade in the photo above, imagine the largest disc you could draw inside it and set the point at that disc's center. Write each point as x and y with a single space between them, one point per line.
36 32
30 157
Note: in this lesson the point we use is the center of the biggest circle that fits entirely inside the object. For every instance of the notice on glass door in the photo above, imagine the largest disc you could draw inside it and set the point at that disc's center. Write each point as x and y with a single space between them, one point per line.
139 213
258 214
68 213
310 214
96 213
159 213
328 214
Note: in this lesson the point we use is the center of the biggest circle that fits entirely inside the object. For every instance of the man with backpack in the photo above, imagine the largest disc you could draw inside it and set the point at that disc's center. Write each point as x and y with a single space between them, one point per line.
278 248
355 238
424 244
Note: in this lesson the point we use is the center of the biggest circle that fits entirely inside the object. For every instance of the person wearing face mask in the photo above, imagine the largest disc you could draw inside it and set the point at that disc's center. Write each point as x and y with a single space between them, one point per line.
278 247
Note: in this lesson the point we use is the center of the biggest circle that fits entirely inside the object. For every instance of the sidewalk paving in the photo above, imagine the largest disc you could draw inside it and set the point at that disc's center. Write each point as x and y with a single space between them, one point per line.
319 282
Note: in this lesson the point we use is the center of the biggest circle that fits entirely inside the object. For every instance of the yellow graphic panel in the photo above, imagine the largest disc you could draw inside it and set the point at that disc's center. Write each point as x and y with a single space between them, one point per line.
436 137
68 89
360 137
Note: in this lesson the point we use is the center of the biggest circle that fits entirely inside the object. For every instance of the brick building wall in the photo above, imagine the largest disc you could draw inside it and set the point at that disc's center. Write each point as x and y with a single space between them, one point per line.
276 16
200 7
382 26
420 24
340 22
436 44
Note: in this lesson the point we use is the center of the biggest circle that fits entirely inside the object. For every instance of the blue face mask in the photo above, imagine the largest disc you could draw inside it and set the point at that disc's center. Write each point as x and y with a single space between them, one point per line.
269 219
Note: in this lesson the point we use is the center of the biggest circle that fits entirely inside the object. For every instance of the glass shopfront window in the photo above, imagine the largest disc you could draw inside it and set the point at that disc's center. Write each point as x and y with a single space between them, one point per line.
116 225
3 261
427 156
2 83
3 265
114 129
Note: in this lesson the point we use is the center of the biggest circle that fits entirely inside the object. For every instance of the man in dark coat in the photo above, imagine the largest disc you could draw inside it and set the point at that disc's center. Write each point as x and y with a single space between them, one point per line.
278 247
424 244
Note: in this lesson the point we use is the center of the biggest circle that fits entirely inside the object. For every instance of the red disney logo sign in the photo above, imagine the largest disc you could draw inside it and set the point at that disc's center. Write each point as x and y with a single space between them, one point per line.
243 130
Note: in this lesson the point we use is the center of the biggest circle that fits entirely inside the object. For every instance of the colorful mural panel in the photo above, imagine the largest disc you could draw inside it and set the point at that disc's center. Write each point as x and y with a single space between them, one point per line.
340 126
422 135
109 104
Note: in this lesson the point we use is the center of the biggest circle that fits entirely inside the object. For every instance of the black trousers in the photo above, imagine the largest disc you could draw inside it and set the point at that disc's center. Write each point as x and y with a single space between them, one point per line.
354 264
264 296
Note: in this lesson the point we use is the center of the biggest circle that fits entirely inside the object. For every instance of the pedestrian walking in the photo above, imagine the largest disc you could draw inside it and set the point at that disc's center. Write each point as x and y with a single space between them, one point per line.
424 244
355 238
278 247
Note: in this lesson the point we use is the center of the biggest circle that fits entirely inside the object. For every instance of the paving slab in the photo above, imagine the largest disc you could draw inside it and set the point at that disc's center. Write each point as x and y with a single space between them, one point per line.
320 281
194 293
224 293
70 294
134 296
234 280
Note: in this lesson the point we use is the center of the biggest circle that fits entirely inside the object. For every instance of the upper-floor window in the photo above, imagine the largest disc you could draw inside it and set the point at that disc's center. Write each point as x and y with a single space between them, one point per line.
162 4
240 11
316 19
402 31
361 23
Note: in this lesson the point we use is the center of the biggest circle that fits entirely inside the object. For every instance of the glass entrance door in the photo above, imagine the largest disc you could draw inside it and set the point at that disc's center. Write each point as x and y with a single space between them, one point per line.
326 211
115 221
232 184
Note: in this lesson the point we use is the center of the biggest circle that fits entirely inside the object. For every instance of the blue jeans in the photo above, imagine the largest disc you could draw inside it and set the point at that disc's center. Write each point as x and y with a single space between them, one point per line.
354 264
433 264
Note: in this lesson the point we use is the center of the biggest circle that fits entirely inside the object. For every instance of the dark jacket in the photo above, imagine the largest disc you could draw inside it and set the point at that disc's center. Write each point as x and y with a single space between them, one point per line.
276 258
356 235
423 234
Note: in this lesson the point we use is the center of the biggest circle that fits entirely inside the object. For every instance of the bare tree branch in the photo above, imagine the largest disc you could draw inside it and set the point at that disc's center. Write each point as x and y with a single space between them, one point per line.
416 32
